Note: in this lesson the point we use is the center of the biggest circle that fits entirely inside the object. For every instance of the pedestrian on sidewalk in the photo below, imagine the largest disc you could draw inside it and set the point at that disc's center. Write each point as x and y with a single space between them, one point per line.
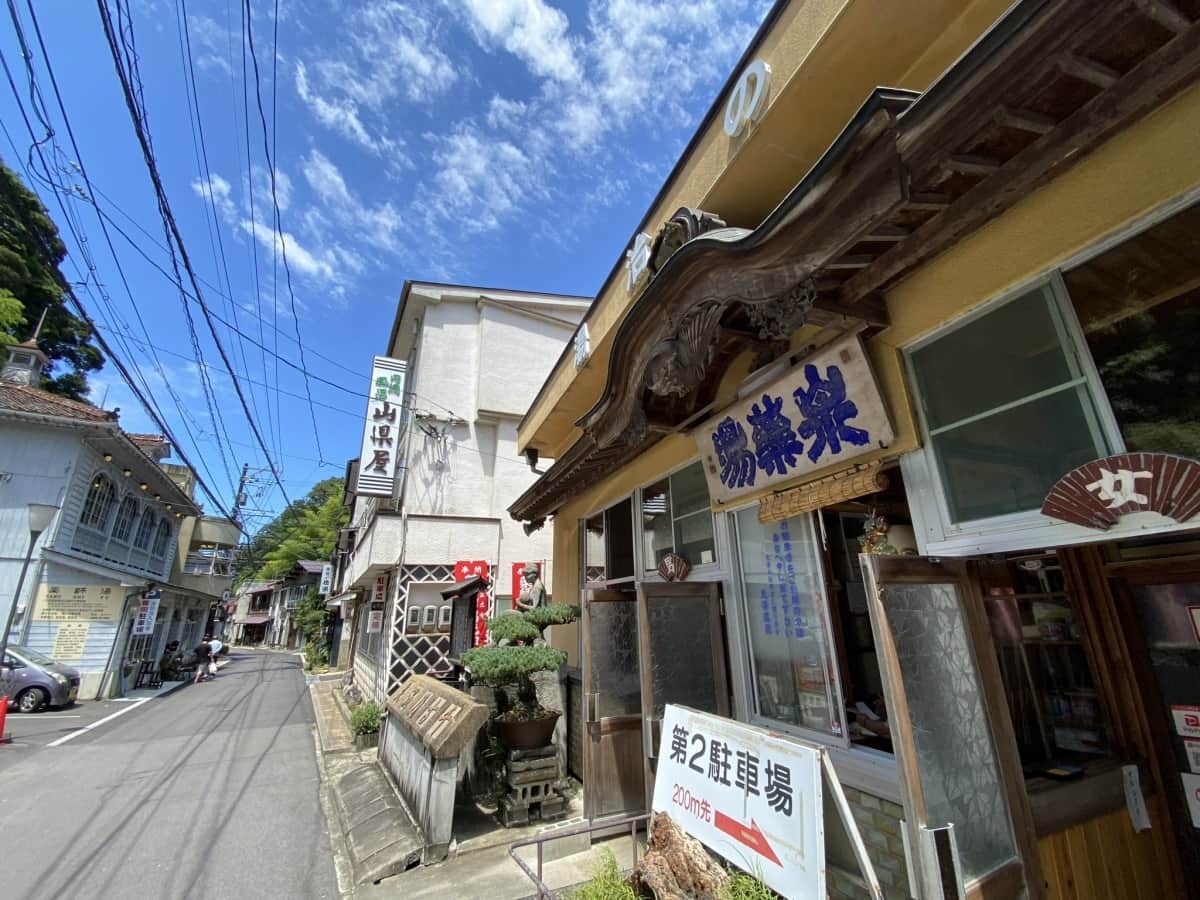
203 653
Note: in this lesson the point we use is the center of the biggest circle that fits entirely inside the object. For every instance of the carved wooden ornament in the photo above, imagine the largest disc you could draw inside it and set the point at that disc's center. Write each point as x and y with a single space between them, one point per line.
1099 493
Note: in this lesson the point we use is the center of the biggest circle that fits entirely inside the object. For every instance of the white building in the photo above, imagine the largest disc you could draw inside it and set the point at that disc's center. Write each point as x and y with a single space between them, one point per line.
475 358
127 529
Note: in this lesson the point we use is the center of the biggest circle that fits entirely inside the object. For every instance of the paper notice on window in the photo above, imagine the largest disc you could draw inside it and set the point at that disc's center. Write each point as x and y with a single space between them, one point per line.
1135 801
1191 747
1191 787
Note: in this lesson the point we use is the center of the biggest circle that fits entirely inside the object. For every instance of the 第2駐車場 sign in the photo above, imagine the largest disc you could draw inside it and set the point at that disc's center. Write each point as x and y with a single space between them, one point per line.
751 796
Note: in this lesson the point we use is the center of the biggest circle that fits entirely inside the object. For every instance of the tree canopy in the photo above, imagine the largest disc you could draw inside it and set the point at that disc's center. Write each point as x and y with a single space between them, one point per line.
31 252
305 530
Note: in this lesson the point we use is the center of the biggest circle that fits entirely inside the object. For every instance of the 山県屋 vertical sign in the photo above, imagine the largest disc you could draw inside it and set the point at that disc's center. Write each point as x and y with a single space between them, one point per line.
825 411
749 795
380 454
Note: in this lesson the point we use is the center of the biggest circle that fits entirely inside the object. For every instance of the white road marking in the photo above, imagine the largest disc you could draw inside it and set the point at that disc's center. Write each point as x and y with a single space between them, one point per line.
87 728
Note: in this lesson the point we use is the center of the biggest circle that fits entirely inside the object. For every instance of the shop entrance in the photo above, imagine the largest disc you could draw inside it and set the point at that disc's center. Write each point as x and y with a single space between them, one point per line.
943 692
1162 603
643 648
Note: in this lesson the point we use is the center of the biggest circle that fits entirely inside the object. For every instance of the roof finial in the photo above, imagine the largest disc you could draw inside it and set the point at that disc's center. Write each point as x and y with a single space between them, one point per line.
41 321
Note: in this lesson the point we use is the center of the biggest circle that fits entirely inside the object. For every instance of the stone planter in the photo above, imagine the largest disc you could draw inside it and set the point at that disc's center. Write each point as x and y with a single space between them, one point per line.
366 741
527 735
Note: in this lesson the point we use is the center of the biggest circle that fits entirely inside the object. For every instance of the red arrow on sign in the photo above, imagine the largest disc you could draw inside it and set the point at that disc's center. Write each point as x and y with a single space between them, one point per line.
751 836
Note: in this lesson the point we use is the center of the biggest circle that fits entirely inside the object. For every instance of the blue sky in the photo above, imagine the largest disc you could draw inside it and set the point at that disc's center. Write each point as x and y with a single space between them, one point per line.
508 143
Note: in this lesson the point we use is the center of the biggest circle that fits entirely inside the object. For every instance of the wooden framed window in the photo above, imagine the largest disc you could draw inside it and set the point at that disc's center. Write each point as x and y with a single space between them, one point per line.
98 505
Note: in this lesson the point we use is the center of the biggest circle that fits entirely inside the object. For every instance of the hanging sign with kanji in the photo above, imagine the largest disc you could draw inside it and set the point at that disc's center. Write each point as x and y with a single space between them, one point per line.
821 414
1098 494
749 795
380 456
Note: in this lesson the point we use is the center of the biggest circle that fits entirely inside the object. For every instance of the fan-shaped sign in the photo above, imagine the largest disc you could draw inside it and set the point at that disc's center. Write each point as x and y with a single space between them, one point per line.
1099 493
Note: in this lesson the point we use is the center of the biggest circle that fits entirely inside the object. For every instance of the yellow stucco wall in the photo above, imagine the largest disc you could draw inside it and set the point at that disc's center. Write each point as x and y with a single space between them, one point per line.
1153 163
825 56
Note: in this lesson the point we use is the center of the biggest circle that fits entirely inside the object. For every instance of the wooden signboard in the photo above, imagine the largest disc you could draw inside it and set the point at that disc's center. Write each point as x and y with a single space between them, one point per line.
822 414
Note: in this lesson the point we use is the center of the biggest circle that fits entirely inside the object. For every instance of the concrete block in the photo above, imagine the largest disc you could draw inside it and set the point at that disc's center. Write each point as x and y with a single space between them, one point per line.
892 809
866 801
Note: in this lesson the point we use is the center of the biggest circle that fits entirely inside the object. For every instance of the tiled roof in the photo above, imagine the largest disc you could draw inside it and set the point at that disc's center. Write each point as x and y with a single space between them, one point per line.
21 398
146 440
315 566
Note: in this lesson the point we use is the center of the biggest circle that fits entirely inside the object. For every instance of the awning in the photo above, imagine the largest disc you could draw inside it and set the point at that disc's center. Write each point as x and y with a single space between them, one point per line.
465 587
342 599
252 620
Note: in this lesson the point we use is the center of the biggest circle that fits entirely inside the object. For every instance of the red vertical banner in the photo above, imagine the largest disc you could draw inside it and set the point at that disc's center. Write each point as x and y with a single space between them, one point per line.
475 568
481 616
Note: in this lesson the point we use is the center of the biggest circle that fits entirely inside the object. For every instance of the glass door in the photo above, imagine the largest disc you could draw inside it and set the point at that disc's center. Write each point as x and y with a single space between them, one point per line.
613 774
682 657
1166 605
945 708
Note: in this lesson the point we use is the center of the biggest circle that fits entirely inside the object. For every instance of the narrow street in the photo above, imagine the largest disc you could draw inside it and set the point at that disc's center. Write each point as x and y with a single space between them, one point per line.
211 791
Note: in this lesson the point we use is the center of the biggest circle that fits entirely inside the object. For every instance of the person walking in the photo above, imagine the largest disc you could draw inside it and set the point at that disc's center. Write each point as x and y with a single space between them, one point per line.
203 653
215 646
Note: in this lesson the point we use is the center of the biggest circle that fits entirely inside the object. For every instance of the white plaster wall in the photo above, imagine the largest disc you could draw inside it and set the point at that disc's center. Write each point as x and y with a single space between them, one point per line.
444 540
517 351
35 467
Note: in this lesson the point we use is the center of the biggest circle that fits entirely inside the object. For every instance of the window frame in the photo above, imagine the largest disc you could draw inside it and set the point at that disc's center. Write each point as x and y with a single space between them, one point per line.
163 529
101 526
148 521
743 656
602 512
130 500
646 566
920 469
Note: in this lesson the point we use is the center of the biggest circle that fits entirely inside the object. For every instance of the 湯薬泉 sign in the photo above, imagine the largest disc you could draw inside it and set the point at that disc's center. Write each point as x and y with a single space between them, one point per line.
823 413
751 796
380 454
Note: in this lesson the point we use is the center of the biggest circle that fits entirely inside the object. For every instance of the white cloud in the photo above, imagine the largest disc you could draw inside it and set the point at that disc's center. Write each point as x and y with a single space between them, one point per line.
389 53
210 44
217 191
300 258
339 115
505 113
530 30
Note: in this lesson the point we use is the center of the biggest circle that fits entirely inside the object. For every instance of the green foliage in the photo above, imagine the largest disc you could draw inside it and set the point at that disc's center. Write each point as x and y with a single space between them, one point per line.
366 718
305 530
555 614
513 628
30 255
607 882
496 666
746 887
311 617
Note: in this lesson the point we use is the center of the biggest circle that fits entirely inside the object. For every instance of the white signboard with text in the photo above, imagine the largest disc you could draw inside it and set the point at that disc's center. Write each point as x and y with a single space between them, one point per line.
380 453
146 613
326 580
749 795
822 413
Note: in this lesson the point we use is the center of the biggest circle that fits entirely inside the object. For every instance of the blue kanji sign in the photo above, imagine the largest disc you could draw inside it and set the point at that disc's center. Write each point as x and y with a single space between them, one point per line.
821 414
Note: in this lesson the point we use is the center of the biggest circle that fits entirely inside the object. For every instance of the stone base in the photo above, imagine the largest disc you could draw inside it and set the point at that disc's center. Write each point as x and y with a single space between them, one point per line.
533 778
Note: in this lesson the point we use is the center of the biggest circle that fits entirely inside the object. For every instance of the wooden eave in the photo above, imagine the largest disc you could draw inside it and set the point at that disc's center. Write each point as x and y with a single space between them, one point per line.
908 177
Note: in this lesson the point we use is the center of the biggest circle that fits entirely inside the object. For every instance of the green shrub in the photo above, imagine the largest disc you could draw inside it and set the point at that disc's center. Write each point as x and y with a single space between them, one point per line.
607 882
496 666
746 887
556 614
366 718
513 628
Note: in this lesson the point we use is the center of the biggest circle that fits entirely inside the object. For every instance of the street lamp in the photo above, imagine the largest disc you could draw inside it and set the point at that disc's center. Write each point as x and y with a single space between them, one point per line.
40 516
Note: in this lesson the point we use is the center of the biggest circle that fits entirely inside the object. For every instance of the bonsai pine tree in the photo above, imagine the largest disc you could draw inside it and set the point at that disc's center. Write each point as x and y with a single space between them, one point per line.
518 652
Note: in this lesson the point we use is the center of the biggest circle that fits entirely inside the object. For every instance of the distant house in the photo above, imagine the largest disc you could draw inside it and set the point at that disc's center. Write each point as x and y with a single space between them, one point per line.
129 563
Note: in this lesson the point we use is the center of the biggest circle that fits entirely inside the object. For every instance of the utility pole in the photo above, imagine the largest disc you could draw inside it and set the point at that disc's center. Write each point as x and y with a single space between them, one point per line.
240 499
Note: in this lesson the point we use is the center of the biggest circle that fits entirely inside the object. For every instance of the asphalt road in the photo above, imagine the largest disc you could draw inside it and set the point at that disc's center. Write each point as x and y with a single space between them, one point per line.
209 792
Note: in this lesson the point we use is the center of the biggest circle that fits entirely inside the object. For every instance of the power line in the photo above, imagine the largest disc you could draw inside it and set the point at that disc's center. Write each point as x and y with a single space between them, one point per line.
81 240
137 118
287 269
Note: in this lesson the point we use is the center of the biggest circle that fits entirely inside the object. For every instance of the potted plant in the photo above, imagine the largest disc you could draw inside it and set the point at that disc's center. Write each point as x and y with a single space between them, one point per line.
519 651
365 722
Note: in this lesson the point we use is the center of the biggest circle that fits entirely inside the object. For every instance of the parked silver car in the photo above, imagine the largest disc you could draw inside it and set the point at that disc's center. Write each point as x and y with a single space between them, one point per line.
33 681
